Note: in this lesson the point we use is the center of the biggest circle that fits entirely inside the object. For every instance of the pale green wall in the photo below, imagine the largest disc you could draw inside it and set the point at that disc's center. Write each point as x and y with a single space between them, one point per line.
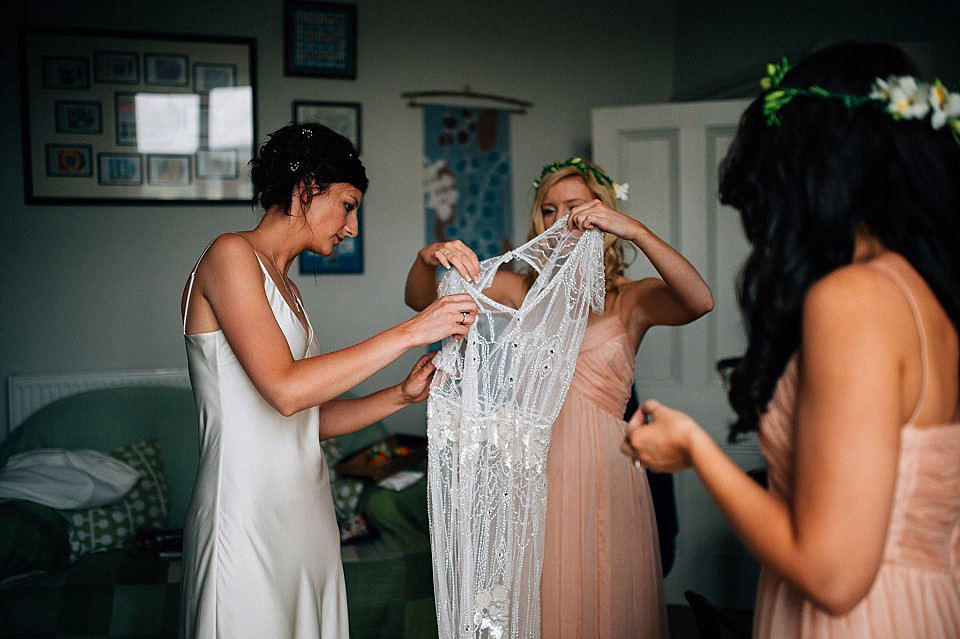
98 288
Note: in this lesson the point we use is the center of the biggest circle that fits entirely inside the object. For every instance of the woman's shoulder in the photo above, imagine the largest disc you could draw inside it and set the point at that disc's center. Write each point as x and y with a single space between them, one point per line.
859 292
228 252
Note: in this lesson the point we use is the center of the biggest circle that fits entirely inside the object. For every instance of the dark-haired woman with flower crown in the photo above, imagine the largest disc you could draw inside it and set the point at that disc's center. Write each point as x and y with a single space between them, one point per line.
261 544
601 569
846 173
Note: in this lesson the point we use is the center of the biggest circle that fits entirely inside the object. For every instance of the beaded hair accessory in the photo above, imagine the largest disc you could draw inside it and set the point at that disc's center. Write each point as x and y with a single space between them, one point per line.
903 97
620 190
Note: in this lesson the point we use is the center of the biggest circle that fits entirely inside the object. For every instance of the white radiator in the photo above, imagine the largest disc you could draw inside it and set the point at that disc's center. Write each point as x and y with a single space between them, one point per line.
27 393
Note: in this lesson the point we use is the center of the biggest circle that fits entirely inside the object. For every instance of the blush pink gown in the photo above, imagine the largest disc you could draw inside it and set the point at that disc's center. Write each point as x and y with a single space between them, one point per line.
601 566
916 593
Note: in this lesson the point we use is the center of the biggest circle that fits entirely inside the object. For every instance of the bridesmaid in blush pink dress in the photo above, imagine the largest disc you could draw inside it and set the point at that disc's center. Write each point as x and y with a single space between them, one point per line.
851 296
601 574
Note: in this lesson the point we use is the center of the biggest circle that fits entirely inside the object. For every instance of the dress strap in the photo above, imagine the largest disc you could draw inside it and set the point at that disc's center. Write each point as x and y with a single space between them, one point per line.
924 366
193 273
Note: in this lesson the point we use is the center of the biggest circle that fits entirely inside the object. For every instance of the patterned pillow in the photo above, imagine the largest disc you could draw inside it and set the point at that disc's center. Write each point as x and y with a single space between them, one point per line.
346 490
145 506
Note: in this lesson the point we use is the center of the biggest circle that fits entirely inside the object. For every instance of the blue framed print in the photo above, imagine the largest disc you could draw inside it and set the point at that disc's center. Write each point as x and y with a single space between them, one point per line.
320 39
347 257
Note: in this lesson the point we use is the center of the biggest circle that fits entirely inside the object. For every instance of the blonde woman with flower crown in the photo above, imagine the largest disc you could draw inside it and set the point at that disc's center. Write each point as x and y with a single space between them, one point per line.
601 573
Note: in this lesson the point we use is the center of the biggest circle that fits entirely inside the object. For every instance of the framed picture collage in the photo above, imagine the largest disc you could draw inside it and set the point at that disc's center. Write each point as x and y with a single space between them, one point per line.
114 117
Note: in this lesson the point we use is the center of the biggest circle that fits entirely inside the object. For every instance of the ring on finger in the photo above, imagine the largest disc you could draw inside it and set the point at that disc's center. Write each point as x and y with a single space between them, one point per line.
463 317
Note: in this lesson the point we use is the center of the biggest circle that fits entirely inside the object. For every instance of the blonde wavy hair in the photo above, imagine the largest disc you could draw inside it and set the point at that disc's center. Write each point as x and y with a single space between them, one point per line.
614 262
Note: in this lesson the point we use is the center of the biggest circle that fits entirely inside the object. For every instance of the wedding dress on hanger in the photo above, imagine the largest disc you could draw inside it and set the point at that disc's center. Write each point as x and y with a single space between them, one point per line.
496 394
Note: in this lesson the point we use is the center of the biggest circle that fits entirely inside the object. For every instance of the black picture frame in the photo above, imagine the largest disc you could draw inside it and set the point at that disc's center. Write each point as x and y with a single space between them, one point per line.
341 117
116 67
78 117
320 39
80 91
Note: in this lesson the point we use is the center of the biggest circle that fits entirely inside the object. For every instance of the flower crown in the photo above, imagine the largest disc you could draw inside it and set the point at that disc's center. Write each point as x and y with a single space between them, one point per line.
903 97
620 190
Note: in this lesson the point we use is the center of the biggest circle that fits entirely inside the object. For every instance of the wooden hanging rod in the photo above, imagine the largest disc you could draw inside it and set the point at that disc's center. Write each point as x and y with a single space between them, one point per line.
466 92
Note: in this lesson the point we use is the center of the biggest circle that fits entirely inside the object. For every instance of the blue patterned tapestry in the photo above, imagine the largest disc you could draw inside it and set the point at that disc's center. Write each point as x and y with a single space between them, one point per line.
467 190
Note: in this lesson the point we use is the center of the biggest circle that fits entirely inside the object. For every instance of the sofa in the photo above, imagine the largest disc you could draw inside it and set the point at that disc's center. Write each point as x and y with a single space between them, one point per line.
120 593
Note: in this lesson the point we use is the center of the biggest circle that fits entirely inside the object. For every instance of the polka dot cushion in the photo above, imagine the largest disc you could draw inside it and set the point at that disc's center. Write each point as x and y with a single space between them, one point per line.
145 506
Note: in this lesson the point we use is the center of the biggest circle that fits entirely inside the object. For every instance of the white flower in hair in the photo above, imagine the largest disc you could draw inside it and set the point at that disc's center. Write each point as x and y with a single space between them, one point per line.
945 105
621 191
908 98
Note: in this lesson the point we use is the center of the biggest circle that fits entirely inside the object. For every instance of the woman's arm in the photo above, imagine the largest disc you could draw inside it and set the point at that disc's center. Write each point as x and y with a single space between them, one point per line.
829 540
421 288
232 284
342 416
680 297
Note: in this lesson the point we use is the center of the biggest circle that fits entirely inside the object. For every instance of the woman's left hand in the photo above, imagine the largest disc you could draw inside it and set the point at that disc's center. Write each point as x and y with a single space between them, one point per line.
416 386
663 444
596 214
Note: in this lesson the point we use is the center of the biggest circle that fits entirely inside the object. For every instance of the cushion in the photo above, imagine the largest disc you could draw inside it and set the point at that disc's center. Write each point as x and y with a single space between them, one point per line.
33 538
64 479
345 491
145 506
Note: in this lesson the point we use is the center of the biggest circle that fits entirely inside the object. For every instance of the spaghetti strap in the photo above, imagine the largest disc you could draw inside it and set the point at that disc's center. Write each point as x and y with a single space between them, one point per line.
186 305
924 365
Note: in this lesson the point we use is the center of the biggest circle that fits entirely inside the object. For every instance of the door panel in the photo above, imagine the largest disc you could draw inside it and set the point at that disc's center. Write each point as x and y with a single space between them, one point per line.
669 154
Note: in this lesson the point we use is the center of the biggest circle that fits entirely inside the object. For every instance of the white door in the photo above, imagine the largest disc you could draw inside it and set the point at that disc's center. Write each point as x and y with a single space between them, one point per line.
669 154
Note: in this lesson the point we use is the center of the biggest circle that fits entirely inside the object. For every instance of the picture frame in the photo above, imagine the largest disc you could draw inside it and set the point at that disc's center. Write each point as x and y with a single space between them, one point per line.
78 117
169 170
341 117
216 165
213 76
165 69
347 257
66 72
115 117
320 39
120 169
116 67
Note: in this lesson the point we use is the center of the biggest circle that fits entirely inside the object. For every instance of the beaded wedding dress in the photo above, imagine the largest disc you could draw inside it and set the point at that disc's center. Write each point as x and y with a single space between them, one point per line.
496 395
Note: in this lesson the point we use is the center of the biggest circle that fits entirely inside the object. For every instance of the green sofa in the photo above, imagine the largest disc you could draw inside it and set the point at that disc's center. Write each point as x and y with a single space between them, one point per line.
116 594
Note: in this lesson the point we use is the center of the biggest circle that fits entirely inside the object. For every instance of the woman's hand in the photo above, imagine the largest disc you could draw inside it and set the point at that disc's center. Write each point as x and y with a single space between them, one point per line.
416 386
597 215
664 443
445 316
453 254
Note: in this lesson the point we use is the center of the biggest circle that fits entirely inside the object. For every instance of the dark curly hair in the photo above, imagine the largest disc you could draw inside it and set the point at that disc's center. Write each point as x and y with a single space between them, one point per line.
803 188
310 153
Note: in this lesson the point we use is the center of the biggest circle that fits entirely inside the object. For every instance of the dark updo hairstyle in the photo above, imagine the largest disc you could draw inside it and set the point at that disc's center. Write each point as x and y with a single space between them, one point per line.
307 153
805 186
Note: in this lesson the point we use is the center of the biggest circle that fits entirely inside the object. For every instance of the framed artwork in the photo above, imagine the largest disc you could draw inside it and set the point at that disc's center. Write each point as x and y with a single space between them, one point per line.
347 257
342 117
69 161
320 39
213 76
120 169
118 117
78 117
165 69
62 72
116 67
216 165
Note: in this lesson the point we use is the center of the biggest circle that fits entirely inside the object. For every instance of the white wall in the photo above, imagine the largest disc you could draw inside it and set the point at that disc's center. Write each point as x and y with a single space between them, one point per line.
97 288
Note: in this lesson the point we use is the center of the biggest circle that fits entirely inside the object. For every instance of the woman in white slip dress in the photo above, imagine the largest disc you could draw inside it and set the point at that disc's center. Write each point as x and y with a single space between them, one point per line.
261 545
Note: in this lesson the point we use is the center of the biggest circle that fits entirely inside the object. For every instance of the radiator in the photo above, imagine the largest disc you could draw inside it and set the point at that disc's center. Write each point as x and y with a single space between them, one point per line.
27 393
